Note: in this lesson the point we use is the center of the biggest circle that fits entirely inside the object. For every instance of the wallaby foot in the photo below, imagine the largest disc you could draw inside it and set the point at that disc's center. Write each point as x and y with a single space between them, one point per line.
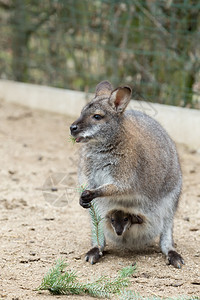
167 247
93 255
175 259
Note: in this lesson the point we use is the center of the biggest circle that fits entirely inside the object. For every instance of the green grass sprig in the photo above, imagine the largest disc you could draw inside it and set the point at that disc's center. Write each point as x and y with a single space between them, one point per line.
72 139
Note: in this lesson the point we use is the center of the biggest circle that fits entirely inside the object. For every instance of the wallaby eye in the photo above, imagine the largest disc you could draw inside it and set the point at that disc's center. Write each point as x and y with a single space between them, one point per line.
112 220
97 117
126 219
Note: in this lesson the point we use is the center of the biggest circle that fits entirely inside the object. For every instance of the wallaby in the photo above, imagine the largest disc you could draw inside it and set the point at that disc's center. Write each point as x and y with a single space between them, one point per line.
118 222
128 163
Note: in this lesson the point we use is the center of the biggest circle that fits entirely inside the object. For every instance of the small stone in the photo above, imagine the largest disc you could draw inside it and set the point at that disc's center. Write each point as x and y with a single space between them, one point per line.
34 259
77 257
195 282
64 252
194 229
193 151
49 219
177 284
145 275
24 261
15 179
11 172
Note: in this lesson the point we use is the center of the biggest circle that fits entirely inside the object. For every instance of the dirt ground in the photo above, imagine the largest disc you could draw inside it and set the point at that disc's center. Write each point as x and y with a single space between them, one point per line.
38 225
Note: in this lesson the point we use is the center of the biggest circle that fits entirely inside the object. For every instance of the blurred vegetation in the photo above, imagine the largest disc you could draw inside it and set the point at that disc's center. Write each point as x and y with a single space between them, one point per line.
154 46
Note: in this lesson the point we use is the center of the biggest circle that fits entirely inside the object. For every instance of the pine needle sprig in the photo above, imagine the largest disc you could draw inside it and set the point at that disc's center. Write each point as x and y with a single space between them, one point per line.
97 223
57 278
61 282
97 227
58 281
127 271
82 188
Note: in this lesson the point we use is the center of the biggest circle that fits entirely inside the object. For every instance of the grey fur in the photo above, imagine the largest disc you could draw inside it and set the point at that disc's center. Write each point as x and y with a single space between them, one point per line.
129 163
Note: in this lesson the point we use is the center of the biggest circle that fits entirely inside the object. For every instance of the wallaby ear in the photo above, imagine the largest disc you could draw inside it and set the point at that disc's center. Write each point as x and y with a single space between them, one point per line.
103 88
134 219
120 98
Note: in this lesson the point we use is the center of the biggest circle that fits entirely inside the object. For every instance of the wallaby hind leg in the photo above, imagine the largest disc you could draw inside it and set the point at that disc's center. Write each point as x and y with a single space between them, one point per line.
167 246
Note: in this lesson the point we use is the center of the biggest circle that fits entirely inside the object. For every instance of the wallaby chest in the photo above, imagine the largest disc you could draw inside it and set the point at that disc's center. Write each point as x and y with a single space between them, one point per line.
99 167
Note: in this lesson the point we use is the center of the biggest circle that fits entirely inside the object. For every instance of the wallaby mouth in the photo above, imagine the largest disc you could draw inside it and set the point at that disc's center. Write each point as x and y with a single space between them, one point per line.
76 134
78 139
81 139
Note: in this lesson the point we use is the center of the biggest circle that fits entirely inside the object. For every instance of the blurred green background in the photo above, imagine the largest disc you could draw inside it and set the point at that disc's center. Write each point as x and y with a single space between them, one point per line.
154 46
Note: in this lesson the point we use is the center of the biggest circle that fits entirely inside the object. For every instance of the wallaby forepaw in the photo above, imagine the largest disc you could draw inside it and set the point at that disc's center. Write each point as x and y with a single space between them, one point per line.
93 255
175 259
85 199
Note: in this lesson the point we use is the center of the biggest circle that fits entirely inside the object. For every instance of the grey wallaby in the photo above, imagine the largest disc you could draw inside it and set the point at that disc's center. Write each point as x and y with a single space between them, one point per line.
129 163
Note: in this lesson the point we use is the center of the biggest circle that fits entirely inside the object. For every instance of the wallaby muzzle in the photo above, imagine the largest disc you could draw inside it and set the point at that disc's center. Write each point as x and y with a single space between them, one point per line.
73 128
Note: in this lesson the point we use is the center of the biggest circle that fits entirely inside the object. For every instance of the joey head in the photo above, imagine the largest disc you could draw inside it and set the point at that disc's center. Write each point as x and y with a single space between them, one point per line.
119 221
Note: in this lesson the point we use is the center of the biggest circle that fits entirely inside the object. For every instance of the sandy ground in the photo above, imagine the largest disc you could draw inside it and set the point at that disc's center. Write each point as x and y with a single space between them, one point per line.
38 228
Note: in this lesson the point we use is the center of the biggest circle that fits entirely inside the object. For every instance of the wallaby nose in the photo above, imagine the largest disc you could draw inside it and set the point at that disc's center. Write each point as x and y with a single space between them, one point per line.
73 128
119 232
